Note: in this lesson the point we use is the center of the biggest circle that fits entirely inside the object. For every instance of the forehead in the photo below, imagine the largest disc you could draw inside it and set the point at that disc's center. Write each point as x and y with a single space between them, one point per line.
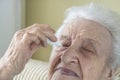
86 29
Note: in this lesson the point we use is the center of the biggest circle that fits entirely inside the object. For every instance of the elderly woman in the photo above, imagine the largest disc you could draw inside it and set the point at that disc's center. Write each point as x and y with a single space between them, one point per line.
86 47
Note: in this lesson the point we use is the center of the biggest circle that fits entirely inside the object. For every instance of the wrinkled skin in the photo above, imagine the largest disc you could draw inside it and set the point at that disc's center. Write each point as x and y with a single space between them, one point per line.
86 50
24 43
84 54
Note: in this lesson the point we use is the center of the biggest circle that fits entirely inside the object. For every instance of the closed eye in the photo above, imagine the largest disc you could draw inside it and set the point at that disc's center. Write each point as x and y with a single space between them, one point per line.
88 46
87 50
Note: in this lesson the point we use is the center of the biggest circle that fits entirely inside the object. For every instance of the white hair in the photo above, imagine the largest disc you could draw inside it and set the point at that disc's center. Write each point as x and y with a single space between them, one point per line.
102 15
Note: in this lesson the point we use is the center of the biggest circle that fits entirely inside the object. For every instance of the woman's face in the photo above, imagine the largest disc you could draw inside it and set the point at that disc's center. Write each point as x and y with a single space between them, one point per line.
84 54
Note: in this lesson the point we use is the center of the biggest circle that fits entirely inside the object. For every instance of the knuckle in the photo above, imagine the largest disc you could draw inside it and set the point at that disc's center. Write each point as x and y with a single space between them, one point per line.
35 27
18 33
27 35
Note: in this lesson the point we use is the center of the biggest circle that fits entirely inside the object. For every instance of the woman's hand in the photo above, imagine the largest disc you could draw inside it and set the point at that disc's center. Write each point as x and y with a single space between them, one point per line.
24 43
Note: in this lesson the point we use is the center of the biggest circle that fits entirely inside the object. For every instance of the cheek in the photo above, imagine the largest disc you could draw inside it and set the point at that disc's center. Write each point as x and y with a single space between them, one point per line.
54 60
92 66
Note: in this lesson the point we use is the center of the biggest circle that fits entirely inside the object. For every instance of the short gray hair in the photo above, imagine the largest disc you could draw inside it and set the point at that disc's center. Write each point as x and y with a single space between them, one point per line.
102 15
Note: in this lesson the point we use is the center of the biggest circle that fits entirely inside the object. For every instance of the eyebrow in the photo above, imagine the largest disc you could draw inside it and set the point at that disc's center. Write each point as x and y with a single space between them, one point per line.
64 37
92 41
89 39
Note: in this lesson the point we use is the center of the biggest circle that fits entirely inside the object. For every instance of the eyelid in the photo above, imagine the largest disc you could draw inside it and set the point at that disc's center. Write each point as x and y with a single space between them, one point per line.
89 47
92 43
93 51
89 50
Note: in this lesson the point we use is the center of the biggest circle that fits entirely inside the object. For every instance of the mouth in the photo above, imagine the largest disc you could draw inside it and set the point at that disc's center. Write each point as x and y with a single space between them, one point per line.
67 72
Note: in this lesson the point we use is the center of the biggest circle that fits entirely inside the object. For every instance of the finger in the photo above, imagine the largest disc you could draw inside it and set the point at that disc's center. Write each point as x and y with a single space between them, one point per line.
43 40
50 29
41 37
42 27
50 36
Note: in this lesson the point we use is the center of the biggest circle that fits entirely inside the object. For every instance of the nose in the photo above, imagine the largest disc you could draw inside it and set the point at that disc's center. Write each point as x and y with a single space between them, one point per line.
69 56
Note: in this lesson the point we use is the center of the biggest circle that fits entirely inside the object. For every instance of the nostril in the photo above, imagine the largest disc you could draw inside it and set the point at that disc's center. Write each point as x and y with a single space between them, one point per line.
74 60
69 59
69 56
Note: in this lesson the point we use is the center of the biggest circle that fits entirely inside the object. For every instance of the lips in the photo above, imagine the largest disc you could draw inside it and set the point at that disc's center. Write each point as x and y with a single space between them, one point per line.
67 72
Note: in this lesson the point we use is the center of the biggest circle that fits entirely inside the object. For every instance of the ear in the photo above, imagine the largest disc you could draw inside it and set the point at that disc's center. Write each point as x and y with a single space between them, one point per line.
116 74
109 74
